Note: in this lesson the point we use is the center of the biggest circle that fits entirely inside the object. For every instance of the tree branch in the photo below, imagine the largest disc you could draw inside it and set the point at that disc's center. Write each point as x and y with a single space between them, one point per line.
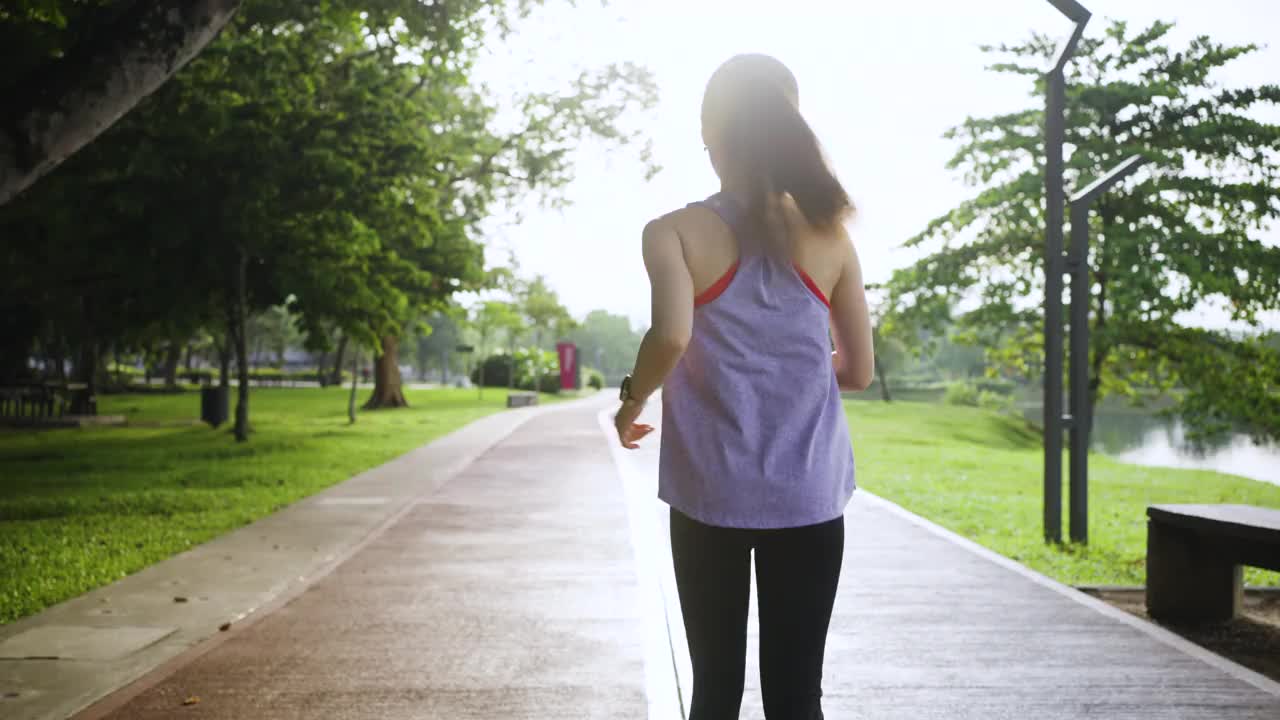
487 164
65 105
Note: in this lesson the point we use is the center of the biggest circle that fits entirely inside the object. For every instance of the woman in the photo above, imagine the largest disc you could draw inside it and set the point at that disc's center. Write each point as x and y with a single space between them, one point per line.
750 288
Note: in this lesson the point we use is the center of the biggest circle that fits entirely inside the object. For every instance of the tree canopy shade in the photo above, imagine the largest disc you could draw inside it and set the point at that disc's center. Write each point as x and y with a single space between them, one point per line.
332 156
1181 235
74 68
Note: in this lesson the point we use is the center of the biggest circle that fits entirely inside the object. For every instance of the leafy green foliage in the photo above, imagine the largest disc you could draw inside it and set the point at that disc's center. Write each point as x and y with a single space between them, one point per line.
334 157
492 317
608 342
534 369
961 393
543 313
1181 235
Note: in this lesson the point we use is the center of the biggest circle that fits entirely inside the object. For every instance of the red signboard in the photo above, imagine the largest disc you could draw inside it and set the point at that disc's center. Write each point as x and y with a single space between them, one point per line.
568 365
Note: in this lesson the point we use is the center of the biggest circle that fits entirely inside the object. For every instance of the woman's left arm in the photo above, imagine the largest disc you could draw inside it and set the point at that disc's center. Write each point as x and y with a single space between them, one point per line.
671 323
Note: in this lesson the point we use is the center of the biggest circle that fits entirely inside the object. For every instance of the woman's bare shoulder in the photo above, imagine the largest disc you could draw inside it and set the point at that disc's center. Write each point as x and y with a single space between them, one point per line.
684 221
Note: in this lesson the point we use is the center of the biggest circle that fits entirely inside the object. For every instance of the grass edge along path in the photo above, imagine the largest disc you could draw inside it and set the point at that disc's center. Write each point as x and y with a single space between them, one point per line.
82 508
979 474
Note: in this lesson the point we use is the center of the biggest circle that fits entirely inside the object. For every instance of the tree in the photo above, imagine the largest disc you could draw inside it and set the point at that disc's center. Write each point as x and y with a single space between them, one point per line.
1182 236
77 67
607 341
336 153
488 319
891 355
438 339
492 166
272 331
894 337
544 313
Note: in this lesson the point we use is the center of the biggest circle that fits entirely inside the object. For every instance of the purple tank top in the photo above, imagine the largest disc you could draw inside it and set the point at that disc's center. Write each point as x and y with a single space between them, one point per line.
753 430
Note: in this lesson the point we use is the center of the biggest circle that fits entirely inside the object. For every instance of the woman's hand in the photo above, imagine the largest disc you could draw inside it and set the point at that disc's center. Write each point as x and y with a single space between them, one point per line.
629 431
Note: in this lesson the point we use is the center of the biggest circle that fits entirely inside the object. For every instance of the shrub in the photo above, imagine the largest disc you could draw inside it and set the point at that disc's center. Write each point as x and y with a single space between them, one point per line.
199 376
961 393
999 386
496 371
550 382
1000 402
124 370
524 362
140 389
312 376
595 379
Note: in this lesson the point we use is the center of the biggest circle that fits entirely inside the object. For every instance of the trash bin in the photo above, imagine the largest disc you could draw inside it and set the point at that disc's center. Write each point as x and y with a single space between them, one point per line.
214 404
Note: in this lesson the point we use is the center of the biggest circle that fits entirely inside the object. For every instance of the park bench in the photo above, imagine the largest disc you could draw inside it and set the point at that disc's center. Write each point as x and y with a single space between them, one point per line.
1195 555
521 399
44 401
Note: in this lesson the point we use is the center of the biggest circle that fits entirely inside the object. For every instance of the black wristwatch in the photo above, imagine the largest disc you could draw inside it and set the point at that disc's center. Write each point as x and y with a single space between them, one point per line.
625 394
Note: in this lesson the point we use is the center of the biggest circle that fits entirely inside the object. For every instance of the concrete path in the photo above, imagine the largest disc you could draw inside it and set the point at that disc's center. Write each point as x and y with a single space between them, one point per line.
58 662
525 574
509 592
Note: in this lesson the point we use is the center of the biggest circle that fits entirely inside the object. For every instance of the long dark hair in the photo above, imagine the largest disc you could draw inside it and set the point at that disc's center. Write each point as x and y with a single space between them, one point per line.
751 105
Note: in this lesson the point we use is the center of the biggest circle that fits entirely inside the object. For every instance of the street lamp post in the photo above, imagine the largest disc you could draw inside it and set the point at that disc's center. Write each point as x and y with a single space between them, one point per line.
1054 266
1081 411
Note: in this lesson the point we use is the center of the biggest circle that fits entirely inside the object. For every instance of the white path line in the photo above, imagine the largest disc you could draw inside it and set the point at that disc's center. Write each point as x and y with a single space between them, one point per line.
661 686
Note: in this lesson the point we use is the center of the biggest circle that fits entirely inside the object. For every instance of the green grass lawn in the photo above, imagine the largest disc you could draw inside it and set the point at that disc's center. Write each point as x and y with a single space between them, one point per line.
83 508
979 474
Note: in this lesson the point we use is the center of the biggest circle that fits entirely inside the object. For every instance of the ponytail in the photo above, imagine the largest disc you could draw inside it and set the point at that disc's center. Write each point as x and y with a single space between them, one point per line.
771 146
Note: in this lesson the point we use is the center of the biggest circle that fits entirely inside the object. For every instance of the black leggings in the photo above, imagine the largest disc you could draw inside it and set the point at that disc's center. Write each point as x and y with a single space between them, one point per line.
797 570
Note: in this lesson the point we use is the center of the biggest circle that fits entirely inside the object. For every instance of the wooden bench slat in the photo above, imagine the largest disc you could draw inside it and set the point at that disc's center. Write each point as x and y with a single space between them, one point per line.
1247 522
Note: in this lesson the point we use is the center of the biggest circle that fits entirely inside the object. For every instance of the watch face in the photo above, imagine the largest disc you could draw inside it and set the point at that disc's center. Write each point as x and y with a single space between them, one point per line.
625 393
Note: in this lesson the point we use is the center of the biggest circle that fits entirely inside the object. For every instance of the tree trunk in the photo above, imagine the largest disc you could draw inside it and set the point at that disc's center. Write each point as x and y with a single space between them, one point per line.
884 381
60 360
172 356
336 379
224 360
117 379
355 378
387 384
66 103
86 402
191 352
537 361
240 321
511 364
479 353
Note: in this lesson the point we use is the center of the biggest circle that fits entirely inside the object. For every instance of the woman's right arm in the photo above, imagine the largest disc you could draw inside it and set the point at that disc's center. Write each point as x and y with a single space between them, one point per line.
854 357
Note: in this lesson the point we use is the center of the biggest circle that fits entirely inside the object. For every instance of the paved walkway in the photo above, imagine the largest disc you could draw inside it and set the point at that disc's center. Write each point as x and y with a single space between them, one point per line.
508 593
512 590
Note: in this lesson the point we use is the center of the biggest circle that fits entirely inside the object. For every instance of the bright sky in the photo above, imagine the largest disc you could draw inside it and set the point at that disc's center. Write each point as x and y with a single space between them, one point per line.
879 82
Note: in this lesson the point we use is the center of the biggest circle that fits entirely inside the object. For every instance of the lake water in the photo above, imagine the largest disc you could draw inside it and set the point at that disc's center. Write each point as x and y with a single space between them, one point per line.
1159 441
